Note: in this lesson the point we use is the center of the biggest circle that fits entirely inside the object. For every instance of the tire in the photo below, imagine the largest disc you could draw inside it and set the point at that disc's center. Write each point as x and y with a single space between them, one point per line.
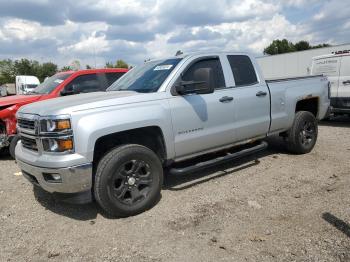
13 144
302 136
2 151
128 180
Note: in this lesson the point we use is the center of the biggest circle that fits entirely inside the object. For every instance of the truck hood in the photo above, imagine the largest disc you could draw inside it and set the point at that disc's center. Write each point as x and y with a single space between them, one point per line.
18 99
74 103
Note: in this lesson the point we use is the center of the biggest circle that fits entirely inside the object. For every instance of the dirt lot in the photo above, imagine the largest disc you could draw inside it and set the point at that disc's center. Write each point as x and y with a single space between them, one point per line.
269 207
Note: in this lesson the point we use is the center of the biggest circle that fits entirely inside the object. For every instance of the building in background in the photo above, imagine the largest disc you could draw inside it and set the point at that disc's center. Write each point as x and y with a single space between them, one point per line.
295 63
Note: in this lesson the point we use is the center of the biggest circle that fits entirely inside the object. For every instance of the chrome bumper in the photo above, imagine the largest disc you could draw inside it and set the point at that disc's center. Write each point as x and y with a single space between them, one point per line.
72 179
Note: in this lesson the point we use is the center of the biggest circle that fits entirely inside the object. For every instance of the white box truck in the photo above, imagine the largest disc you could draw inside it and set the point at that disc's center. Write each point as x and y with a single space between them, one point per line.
337 67
26 84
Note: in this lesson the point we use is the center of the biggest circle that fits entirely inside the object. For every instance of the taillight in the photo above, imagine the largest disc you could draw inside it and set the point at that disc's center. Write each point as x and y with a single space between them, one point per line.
329 89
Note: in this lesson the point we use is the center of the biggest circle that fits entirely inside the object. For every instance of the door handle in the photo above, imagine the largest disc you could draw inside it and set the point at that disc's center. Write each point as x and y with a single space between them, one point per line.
346 82
261 93
226 99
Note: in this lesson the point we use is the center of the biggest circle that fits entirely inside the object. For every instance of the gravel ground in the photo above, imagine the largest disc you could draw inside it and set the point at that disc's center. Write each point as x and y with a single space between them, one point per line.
269 207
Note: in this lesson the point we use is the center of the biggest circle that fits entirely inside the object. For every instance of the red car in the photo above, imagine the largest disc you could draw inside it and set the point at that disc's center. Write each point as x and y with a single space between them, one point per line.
61 84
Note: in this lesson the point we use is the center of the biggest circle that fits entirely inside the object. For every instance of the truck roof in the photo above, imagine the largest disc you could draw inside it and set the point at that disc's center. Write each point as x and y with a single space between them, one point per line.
204 53
212 52
97 70
337 54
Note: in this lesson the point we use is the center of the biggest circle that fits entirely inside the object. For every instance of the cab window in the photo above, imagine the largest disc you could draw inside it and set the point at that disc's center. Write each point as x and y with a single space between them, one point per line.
84 84
243 70
213 64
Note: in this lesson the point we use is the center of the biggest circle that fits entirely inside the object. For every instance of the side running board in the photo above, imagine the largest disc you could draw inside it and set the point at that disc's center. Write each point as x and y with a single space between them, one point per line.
219 160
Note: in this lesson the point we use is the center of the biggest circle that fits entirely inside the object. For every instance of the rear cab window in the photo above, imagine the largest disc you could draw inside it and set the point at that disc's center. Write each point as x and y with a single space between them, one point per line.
243 70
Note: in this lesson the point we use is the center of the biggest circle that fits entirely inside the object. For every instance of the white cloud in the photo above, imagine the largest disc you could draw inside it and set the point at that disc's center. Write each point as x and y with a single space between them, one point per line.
89 45
21 29
135 30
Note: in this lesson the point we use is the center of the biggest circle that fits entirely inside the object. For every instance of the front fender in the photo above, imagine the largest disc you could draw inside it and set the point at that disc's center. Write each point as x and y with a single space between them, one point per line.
8 116
90 125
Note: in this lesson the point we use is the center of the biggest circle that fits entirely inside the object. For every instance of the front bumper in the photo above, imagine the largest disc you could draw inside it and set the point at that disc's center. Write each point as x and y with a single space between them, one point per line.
74 179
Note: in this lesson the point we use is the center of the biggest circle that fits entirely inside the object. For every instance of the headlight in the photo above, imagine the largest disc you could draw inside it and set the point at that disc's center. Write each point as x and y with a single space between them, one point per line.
52 125
56 133
58 144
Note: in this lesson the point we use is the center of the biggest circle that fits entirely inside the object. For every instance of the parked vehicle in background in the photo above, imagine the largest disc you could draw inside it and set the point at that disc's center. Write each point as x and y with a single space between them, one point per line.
3 90
115 144
8 89
337 68
26 84
61 84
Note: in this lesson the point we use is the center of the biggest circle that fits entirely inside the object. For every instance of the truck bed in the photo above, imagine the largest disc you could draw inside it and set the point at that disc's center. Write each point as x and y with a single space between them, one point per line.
285 92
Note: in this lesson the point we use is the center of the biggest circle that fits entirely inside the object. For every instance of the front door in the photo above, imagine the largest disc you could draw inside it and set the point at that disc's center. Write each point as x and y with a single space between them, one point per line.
203 121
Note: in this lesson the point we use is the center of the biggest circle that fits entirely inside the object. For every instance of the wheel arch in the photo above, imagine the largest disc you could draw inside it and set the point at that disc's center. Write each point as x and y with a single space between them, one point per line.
310 104
151 137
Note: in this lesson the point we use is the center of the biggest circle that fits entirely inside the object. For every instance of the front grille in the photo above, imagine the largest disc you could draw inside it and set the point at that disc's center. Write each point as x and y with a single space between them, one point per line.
29 143
26 124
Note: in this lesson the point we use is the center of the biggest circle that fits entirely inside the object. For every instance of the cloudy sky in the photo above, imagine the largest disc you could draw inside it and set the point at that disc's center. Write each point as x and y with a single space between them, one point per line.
97 31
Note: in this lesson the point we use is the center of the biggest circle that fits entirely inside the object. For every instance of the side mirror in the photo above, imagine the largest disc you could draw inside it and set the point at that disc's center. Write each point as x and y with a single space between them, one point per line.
203 83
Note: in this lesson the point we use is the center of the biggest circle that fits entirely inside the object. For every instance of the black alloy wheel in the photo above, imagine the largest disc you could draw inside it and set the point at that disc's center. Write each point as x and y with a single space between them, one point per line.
128 180
132 182
307 133
302 136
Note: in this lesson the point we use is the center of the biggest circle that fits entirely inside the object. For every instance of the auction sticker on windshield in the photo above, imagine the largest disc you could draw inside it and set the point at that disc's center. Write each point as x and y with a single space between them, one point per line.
162 67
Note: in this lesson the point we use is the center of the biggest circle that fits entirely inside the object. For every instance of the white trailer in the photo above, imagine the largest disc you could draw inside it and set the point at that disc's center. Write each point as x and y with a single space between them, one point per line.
25 84
294 64
337 68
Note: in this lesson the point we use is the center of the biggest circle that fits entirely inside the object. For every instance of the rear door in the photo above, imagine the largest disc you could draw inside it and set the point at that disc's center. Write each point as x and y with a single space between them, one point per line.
329 67
344 82
251 99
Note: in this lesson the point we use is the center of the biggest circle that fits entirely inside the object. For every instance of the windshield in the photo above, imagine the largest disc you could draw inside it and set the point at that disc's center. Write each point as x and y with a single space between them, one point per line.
146 78
50 84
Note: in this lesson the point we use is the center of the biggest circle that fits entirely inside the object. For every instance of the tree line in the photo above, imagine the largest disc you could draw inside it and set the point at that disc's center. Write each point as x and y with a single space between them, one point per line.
9 69
285 46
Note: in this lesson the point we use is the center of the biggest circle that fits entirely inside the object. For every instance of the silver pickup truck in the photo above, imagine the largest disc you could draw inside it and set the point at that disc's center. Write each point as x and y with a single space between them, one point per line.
114 146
